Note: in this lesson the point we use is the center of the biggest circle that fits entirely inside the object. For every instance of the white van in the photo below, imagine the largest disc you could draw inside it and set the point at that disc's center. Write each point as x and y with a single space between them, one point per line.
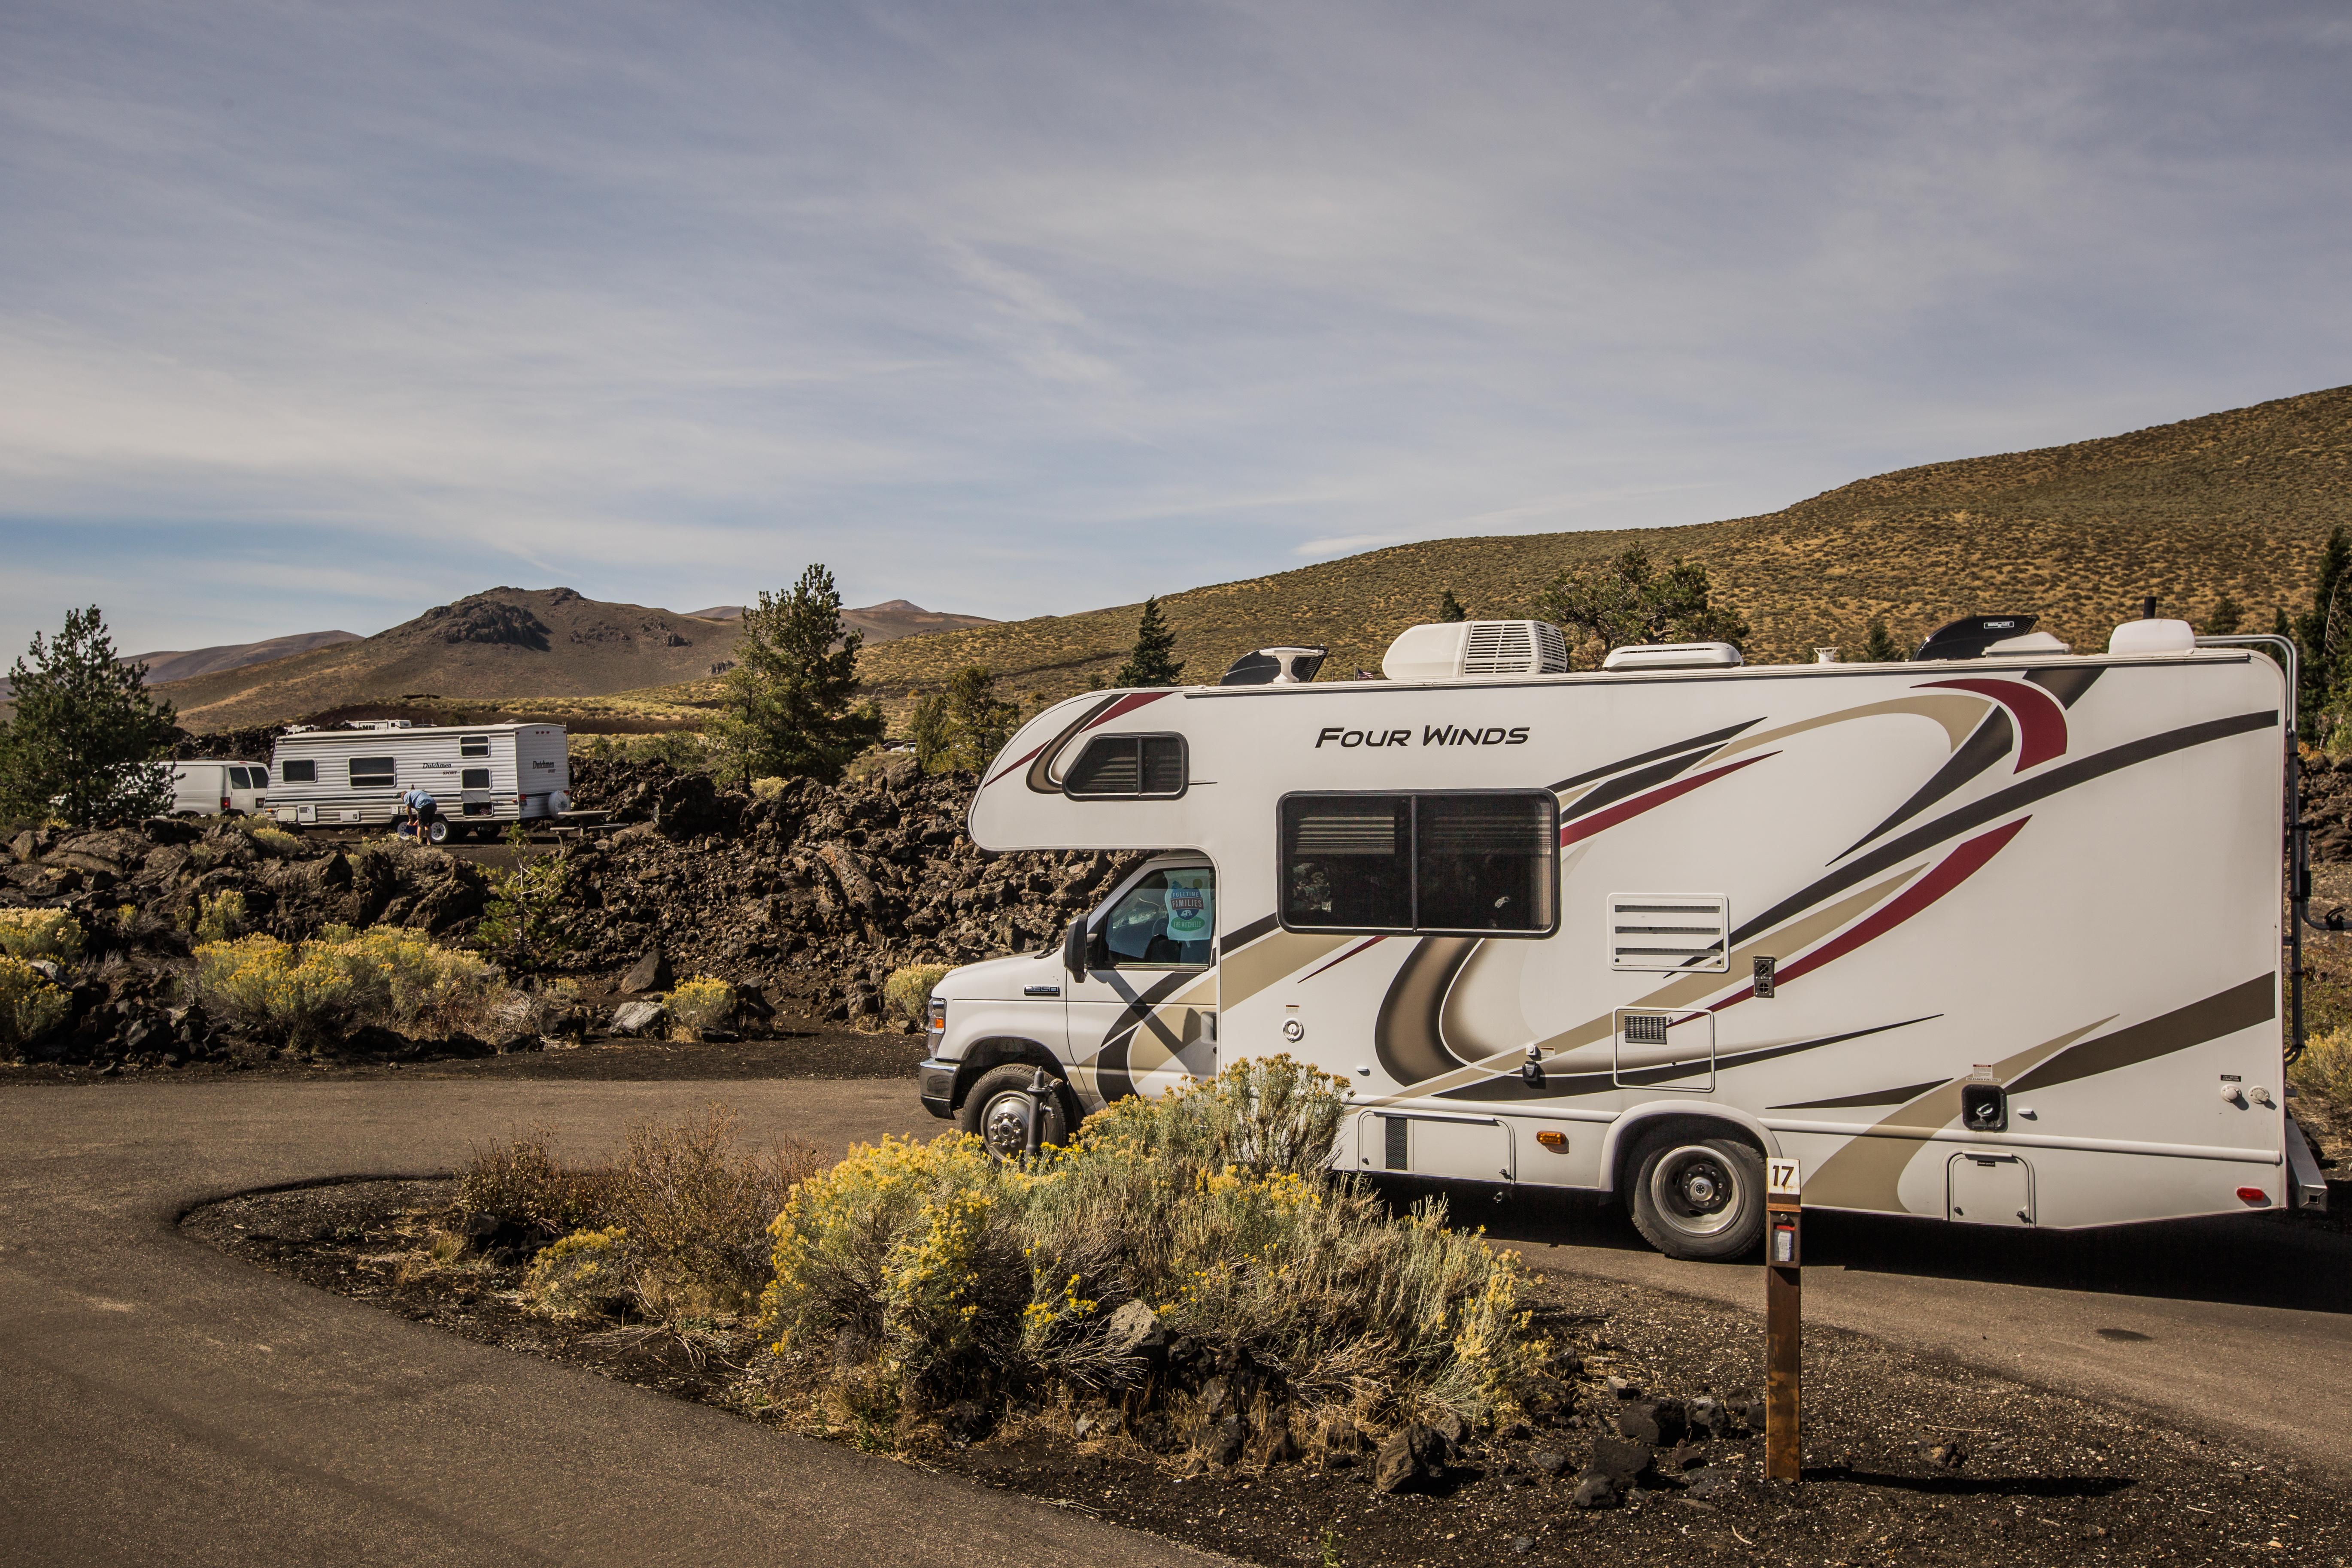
210 788
1993 936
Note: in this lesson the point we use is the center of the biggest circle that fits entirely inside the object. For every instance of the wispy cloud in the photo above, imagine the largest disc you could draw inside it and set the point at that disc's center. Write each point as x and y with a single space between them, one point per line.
312 316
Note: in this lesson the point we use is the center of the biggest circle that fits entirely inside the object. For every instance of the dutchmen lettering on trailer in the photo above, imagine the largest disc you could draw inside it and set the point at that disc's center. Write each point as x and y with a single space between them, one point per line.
1433 735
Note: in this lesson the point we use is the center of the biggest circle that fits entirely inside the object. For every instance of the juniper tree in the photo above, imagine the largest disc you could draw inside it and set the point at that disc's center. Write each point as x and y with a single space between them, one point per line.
980 721
1449 608
790 699
930 729
1878 647
1631 601
2323 634
2227 618
1150 664
86 735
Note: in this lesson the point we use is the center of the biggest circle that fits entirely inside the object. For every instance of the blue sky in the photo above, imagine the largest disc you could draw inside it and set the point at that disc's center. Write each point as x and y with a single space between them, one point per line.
315 316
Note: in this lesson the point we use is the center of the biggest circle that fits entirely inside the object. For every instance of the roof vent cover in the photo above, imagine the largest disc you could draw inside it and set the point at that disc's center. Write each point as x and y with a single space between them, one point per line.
1453 650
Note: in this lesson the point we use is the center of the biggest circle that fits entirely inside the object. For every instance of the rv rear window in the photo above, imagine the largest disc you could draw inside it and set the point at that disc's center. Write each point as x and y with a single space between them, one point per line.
372 773
474 746
1149 766
304 772
1475 862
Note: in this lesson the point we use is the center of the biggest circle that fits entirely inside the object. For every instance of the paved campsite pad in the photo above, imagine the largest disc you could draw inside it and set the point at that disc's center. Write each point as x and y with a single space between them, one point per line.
2046 1479
800 1049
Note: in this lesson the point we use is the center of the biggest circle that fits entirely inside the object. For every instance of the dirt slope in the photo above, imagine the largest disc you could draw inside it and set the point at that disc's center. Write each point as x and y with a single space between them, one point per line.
177 666
2235 502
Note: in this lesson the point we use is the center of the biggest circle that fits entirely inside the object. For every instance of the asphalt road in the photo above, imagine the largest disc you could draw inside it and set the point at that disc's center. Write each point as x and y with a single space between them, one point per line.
165 1403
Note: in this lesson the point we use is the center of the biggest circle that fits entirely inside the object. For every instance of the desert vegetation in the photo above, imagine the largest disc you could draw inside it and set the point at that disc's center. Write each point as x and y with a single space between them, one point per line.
302 993
1187 1267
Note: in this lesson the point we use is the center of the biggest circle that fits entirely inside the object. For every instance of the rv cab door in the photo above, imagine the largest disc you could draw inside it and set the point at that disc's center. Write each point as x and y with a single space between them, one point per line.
1145 1011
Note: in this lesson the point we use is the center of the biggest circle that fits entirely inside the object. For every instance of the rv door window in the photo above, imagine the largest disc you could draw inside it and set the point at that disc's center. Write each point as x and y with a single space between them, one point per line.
474 778
1166 920
1151 767
372 773
303 772
474 746
1437 863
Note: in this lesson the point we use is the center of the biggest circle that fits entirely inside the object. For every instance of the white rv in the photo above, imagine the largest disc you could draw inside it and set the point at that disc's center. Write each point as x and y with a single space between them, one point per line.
209 788
481 777
1994 935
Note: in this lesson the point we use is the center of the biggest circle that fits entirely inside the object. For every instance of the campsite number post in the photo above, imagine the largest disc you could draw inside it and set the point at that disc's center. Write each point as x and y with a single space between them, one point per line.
1783 1315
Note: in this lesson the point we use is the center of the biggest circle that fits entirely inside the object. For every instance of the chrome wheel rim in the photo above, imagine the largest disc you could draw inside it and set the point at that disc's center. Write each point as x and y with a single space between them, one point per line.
1696 1190
1004 1124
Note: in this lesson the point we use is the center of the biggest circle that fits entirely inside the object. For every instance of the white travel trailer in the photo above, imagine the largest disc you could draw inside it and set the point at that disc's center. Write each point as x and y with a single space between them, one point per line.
209 788
1994 935
481 777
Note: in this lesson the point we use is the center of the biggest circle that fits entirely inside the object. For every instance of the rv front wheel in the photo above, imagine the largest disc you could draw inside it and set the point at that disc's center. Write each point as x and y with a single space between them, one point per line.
1700 1198
1000 1105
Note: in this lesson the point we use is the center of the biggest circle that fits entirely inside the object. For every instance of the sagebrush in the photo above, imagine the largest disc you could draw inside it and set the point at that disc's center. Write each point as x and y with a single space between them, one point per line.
29 1005
907 991
913 1274
40 934
303 993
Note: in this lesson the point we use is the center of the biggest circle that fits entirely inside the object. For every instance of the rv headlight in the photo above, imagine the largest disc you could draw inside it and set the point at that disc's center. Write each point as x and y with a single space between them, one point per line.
939 1015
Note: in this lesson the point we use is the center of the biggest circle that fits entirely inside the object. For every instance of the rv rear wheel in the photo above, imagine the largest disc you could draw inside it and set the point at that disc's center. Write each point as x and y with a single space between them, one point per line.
999 1107
1697 1198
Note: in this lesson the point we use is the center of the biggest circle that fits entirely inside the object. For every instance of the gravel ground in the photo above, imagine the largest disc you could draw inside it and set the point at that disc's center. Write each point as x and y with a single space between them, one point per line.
1908 1459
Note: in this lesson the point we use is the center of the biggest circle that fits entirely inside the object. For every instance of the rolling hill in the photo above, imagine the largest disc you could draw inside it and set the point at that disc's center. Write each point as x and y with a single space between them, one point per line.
187 665
886 622
2237 502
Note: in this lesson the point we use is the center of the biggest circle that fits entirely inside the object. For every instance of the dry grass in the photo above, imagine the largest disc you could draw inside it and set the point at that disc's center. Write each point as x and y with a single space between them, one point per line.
2236 502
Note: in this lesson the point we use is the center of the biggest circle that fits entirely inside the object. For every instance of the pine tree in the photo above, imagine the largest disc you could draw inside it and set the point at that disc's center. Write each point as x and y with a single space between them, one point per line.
980 721
2322 634
2227 618
930 729
1449 608
1630 601
790 699
86 735
1878 647
1150 664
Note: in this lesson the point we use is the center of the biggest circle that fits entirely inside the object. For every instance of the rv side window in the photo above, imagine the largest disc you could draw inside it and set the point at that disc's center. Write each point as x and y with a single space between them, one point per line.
372 773
304 772
1151 767
1167 919
1485 862
474 746
474 778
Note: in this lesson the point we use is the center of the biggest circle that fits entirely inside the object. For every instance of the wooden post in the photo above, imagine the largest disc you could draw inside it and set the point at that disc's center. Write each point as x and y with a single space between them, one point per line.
1783 1317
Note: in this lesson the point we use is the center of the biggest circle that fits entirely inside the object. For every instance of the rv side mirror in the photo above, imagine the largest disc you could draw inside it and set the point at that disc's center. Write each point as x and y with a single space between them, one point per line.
1984 1108
1073 947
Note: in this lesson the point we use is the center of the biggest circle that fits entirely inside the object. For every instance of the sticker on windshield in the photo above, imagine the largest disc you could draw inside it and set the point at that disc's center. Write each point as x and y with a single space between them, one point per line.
1191 905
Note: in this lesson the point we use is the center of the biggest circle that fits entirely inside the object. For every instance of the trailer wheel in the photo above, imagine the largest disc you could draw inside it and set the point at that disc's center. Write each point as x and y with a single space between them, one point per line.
999 1106
1700 1198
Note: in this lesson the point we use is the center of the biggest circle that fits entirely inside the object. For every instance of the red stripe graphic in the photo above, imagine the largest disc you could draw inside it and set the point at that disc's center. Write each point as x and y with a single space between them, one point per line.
1112 709
1586 826
1341 959
1955 868
2040 723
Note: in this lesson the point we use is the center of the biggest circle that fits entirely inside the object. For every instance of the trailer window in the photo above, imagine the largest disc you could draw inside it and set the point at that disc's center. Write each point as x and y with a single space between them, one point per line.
474 778
1147 766
474 746
1468 863
303 772
372 773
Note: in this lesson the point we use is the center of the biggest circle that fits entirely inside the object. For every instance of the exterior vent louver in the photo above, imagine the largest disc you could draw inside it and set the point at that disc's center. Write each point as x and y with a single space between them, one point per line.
1672 932
1514 648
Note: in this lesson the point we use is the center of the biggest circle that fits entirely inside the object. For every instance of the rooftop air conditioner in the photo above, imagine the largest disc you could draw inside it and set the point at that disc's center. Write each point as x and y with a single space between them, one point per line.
1476 650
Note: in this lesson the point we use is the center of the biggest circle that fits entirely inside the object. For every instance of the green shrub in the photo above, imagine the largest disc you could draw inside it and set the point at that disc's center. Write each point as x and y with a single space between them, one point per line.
908 992
913 1274
40 934
220 916
583 1275
767 788
272 840
701 1004
29 1005
2324 1071
304 992
523 922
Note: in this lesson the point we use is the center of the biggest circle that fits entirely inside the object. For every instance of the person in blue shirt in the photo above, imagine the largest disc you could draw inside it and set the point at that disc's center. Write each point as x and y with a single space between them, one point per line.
422 809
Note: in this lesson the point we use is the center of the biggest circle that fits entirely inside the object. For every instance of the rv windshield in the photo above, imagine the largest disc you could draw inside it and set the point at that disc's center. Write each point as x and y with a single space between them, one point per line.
1165 921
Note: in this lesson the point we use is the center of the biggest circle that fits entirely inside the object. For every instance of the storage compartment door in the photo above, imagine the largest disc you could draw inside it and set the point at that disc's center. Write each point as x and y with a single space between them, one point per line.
1458 1148
1987 1188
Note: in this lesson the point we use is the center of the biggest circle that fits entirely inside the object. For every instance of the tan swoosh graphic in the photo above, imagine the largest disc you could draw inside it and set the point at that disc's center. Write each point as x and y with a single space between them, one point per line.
1956 712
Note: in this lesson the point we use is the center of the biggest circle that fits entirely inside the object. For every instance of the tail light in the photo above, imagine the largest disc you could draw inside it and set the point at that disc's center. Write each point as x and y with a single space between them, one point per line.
2255 1195
224 803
